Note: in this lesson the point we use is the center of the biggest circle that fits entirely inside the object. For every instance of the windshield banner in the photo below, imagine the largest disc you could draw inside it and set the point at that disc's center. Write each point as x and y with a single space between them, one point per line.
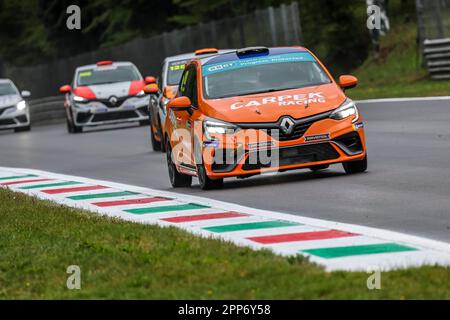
256 61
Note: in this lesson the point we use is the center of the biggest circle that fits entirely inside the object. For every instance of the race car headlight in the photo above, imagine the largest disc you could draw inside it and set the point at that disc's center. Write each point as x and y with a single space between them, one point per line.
79 99
22 105
140 93
213 127
347 109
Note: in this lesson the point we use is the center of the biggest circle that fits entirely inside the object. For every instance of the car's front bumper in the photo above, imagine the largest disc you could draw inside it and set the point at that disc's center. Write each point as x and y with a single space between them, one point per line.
344 141
97 114
12 118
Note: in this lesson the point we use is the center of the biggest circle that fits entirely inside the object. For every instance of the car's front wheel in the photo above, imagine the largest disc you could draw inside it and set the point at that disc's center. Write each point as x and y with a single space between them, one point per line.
178 180
358 166
205 182
156 145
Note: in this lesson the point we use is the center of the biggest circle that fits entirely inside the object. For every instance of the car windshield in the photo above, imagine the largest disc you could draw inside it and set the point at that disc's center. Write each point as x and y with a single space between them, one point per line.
174 71
107 74
6 89
262 74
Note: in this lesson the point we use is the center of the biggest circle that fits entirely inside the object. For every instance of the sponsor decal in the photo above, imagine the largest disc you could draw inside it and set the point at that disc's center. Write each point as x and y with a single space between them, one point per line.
283 101
317 137
209 69
86 74
211 144
358 126
261 145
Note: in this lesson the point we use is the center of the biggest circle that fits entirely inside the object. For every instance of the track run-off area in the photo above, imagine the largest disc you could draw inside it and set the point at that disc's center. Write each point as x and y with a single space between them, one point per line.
395 215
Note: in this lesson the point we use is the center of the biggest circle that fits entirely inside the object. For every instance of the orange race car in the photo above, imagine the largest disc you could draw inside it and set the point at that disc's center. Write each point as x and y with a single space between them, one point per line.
259 110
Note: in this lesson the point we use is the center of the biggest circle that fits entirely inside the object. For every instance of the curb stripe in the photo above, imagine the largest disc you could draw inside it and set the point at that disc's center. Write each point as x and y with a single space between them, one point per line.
18 177
103 195
24 181
67 190
209 216
337 252
251 226
128 202
49 185
181 207
302 236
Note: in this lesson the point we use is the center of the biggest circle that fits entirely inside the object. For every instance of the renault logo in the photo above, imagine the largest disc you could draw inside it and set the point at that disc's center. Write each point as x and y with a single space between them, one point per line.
113 100
287 125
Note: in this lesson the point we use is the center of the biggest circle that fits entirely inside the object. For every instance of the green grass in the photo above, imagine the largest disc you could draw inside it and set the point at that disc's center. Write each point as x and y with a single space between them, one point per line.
398 72
39 240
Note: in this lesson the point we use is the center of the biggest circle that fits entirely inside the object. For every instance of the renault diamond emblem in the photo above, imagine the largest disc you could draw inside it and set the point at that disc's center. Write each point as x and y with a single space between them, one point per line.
287 125
113 100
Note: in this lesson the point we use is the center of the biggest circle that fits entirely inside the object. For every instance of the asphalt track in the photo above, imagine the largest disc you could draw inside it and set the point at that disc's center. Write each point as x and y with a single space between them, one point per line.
406 189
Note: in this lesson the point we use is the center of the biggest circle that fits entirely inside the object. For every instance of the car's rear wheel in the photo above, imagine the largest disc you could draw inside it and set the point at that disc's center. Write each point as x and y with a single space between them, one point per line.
205 182
22 129
178 180
358 166
319 167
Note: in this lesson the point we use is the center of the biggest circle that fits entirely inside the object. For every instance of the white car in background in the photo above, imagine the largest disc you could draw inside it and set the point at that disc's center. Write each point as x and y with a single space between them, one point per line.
14 111
105 93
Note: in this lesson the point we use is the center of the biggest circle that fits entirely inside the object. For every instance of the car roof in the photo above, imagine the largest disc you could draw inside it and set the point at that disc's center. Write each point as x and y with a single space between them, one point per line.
5 81
192 55
115 63
230 56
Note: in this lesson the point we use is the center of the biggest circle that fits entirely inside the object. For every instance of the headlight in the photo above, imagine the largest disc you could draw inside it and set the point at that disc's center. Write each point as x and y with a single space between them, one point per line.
218 127
140 93
79 99
21 105
347 109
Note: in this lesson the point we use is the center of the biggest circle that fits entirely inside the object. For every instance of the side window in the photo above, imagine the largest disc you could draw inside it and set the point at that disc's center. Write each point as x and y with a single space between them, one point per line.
188 85
184 82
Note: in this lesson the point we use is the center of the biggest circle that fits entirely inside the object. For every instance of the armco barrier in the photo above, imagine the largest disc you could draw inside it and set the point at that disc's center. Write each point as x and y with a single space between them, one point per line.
437 55
47 110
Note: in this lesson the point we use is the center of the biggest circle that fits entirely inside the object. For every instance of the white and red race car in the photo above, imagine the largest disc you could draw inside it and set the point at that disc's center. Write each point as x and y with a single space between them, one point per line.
106 93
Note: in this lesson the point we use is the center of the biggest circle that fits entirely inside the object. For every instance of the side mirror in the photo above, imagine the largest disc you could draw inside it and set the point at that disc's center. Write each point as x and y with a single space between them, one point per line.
25 94
180 104
149 80
65 89
348 82
151 88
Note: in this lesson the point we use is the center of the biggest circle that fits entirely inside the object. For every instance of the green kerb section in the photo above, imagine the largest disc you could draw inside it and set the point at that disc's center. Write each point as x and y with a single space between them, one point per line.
338 252
18 177
103 195
251 226
49 185
189 206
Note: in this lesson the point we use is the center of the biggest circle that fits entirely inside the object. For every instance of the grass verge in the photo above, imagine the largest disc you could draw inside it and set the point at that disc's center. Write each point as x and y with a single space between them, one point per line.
121 260
398 72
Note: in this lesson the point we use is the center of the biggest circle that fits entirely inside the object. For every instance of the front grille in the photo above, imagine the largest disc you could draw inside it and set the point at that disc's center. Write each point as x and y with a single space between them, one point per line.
83 117
273 128
110 116
291 156
7 122
112 106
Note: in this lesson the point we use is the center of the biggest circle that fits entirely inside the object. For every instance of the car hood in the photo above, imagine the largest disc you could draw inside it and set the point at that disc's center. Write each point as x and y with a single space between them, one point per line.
117 89
9 100
271 106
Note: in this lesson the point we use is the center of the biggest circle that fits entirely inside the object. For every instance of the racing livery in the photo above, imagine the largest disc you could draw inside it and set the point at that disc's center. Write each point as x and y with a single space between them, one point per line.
14 111
172 70
259 110
105 93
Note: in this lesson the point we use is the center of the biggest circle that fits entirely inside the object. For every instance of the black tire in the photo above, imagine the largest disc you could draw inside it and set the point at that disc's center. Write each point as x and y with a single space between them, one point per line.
319 167
205 182
156 145
69 126
355 166
178 180
22 129
77 129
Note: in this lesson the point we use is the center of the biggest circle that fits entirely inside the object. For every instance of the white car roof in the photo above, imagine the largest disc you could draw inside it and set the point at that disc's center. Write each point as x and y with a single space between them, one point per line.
192 55
5 81
115 63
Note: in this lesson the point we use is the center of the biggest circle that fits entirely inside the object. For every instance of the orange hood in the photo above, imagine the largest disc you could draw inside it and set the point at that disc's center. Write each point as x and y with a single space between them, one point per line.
270 106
